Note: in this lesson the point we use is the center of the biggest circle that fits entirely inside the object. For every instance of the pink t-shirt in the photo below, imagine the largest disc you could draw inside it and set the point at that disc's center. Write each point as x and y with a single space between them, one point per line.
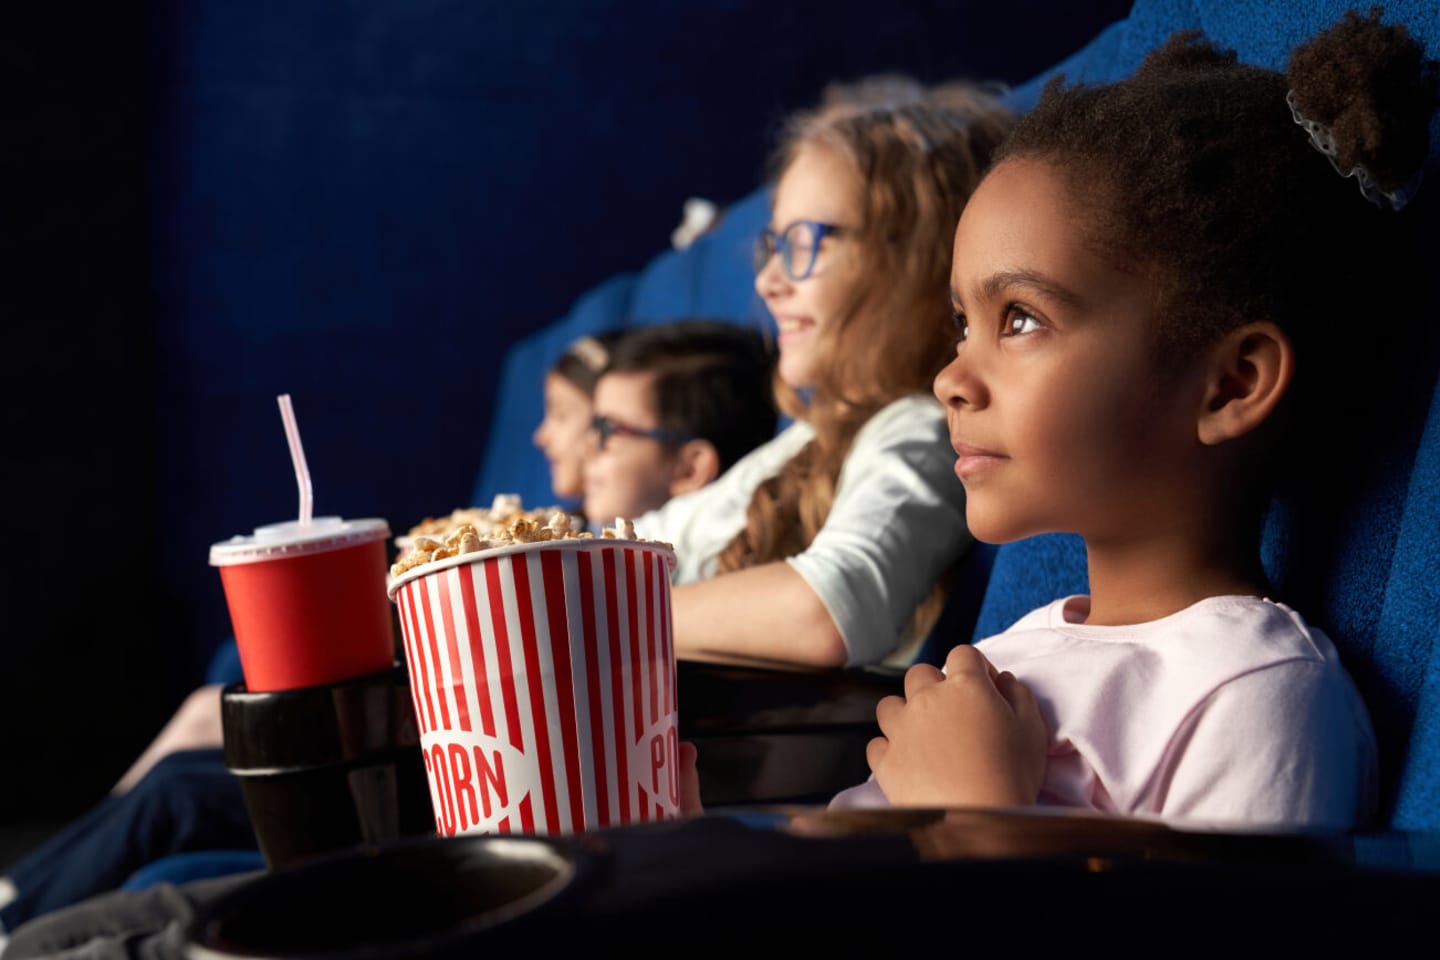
1231 711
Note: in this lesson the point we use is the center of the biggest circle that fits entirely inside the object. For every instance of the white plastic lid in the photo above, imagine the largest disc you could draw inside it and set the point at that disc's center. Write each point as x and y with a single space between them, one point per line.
292 539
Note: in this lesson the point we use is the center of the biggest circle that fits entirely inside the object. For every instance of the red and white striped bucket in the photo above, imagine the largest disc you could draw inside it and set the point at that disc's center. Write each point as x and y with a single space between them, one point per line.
543 676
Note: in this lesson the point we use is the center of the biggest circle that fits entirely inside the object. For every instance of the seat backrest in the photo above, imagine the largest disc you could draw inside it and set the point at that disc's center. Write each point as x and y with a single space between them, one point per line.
511 463
1406 654
1358 558
712 278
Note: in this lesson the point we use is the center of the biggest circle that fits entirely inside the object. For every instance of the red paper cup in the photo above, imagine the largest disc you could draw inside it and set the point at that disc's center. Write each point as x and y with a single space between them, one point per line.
308 602
543 677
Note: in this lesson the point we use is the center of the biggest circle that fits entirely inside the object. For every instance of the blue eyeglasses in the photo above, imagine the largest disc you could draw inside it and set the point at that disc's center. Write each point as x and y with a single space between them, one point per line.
605 428
798 246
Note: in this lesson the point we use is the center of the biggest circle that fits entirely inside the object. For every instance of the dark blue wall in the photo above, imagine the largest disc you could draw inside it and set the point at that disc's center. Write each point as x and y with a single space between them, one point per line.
362 204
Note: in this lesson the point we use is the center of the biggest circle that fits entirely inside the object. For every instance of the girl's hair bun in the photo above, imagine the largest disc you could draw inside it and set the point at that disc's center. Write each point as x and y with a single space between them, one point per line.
1373 87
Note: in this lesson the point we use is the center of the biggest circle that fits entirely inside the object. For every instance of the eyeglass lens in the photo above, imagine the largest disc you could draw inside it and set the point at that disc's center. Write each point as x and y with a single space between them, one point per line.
603 428
797 246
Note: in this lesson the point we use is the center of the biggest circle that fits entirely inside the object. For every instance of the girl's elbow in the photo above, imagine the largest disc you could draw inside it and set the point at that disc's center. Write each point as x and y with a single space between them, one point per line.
827 646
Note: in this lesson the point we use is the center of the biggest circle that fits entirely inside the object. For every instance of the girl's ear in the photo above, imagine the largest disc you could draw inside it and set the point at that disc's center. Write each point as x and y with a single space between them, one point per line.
696 464
1250 370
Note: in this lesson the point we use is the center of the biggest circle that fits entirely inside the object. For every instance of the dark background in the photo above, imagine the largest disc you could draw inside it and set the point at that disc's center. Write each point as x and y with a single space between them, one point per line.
359 203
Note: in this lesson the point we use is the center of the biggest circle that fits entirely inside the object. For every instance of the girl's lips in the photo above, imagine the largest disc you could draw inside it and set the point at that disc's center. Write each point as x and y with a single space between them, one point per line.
970 461
790 323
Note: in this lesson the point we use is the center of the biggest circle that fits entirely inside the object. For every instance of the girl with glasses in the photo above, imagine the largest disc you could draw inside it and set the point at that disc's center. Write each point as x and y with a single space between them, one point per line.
826 545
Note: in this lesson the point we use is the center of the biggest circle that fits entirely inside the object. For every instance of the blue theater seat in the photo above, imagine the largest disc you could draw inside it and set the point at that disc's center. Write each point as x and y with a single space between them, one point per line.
711 278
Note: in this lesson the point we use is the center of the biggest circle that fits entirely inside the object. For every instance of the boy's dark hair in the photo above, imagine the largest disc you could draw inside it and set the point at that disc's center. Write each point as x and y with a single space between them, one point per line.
712 381
1195 174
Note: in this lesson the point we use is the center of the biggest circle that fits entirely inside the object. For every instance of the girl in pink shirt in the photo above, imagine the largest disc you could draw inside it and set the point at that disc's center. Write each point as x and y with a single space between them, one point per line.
1154 287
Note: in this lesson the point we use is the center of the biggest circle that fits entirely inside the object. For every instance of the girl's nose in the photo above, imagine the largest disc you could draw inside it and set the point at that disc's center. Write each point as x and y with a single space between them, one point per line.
959 384
770 280
538 437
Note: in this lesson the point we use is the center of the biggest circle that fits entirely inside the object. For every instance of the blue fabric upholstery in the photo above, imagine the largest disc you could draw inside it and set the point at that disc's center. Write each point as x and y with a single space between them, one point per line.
512 464
1027 574
1259 33
1100 61
957 620
712 277
224 666
1409 628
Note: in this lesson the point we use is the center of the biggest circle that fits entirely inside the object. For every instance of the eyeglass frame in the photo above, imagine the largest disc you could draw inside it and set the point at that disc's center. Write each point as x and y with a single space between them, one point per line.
607 427
769 242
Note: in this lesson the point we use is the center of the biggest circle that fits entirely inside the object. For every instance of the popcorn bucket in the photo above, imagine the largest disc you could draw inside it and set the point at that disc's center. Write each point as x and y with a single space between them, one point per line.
543 679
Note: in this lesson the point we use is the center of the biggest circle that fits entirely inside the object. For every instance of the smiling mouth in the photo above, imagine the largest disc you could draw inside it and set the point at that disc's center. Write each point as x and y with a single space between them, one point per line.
792 324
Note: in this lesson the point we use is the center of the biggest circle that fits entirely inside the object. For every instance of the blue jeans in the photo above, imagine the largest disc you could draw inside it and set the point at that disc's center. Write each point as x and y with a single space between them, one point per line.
188 801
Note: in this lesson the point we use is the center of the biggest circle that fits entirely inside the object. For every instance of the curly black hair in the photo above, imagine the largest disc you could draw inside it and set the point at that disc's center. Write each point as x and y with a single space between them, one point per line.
1195 175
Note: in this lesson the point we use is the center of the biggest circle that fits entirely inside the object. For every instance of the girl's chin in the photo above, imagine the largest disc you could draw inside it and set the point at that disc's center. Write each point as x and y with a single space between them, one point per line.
796 373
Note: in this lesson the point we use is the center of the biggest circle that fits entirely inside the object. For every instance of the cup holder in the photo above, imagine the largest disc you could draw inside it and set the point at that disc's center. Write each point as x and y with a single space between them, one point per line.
416 898
329 767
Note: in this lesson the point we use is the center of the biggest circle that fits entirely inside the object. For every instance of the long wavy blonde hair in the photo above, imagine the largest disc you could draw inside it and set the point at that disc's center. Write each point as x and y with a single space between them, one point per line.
919 153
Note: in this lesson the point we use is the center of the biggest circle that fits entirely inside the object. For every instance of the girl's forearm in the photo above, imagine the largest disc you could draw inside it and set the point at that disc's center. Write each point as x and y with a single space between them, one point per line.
765 615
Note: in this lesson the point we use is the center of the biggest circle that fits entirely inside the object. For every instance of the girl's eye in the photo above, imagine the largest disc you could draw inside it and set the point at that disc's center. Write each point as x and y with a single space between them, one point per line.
962 326
1020 322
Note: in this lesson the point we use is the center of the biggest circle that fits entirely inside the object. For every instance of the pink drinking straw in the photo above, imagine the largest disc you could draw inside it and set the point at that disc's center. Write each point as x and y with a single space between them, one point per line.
297 457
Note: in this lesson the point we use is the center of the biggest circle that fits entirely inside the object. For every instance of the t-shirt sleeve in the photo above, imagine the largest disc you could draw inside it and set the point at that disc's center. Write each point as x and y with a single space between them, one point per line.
699 524
1279 745
897 524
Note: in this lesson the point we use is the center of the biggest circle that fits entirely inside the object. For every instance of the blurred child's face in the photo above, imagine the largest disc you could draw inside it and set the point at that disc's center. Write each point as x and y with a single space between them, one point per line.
822 185
561 435
1057 413
630 475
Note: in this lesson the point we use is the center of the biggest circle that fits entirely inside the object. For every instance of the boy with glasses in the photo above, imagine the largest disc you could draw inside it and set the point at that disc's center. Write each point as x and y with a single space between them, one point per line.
676 405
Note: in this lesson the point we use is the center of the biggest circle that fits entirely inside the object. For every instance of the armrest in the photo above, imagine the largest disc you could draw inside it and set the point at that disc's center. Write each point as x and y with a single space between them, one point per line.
777 735
1023 880
722 699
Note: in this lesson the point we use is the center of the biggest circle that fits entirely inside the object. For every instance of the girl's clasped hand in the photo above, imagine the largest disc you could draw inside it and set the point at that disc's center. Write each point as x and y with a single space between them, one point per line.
994 747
